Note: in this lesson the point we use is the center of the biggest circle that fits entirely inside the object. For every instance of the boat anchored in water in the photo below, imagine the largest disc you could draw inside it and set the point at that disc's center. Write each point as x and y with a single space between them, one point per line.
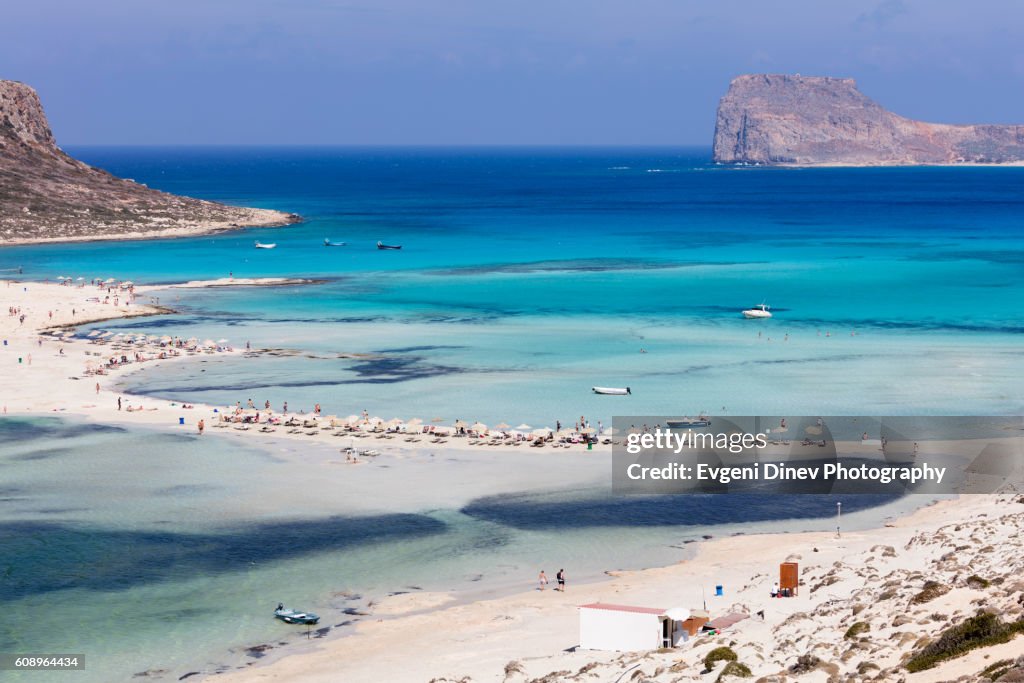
699 421
261 245
759 311
381 245
290 616
328 243
612 391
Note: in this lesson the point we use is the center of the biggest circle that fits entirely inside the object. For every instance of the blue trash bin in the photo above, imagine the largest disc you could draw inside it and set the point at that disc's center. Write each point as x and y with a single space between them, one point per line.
181 420
718 590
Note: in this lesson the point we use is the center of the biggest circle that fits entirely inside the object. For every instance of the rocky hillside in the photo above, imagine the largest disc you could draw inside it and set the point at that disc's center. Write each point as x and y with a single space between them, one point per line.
45 195
779 119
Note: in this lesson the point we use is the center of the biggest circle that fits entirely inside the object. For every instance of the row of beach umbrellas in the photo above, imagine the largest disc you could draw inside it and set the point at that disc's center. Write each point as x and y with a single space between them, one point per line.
108 281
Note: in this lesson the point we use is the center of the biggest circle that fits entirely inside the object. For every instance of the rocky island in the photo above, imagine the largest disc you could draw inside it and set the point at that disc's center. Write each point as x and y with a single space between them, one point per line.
48 196
809 120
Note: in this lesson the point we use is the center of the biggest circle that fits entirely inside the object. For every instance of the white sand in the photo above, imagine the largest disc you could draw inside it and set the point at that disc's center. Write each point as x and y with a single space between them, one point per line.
475 642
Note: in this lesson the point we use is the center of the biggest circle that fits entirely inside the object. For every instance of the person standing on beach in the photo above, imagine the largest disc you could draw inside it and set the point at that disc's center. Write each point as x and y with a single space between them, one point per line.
119 403
543 580
201 426
561 580
97 388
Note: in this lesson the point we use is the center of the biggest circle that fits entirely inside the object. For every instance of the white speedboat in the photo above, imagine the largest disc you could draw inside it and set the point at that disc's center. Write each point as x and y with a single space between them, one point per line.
261 245
759 311
612 391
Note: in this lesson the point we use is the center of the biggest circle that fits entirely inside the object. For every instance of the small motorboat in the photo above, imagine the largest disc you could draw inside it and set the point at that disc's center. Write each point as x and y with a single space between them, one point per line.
290 616
381 245
759 311
328 243
700 421
261 245
612 391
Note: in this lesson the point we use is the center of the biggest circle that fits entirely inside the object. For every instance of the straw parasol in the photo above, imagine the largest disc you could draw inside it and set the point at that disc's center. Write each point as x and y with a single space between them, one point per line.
479 427
543 431
437 419
461 424
501 425
524 426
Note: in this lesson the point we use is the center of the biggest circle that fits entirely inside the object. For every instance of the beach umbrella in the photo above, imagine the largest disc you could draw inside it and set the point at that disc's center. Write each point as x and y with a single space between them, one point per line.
437 419
460 424
543 431
588 430
479 427
565 432
394 422
524 426
109 280
209 343
352 419
164 339
415 422
222 341
501 425
94 333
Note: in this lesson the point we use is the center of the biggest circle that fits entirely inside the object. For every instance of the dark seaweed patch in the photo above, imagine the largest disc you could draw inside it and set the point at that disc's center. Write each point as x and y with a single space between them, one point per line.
53 556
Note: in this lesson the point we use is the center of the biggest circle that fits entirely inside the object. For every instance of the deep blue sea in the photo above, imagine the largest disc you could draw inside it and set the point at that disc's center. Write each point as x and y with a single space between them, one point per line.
526 277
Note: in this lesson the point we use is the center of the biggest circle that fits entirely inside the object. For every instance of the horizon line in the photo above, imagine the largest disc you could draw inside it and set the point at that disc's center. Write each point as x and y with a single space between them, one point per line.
388 145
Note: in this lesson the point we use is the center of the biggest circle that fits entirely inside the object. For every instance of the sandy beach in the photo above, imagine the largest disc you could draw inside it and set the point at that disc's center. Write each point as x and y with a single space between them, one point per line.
56 373
970 546
869 577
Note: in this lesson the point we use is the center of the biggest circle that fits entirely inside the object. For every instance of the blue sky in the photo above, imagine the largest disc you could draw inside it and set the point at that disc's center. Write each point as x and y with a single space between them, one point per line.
463 72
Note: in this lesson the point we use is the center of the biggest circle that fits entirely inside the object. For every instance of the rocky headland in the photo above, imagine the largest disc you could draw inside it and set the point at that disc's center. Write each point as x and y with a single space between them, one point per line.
810 120
48 196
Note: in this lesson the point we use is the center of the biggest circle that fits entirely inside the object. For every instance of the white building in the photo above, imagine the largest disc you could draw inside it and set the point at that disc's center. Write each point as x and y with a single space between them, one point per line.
626 629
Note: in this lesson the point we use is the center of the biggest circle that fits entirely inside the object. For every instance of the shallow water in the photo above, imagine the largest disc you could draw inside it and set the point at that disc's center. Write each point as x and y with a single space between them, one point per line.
154 551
